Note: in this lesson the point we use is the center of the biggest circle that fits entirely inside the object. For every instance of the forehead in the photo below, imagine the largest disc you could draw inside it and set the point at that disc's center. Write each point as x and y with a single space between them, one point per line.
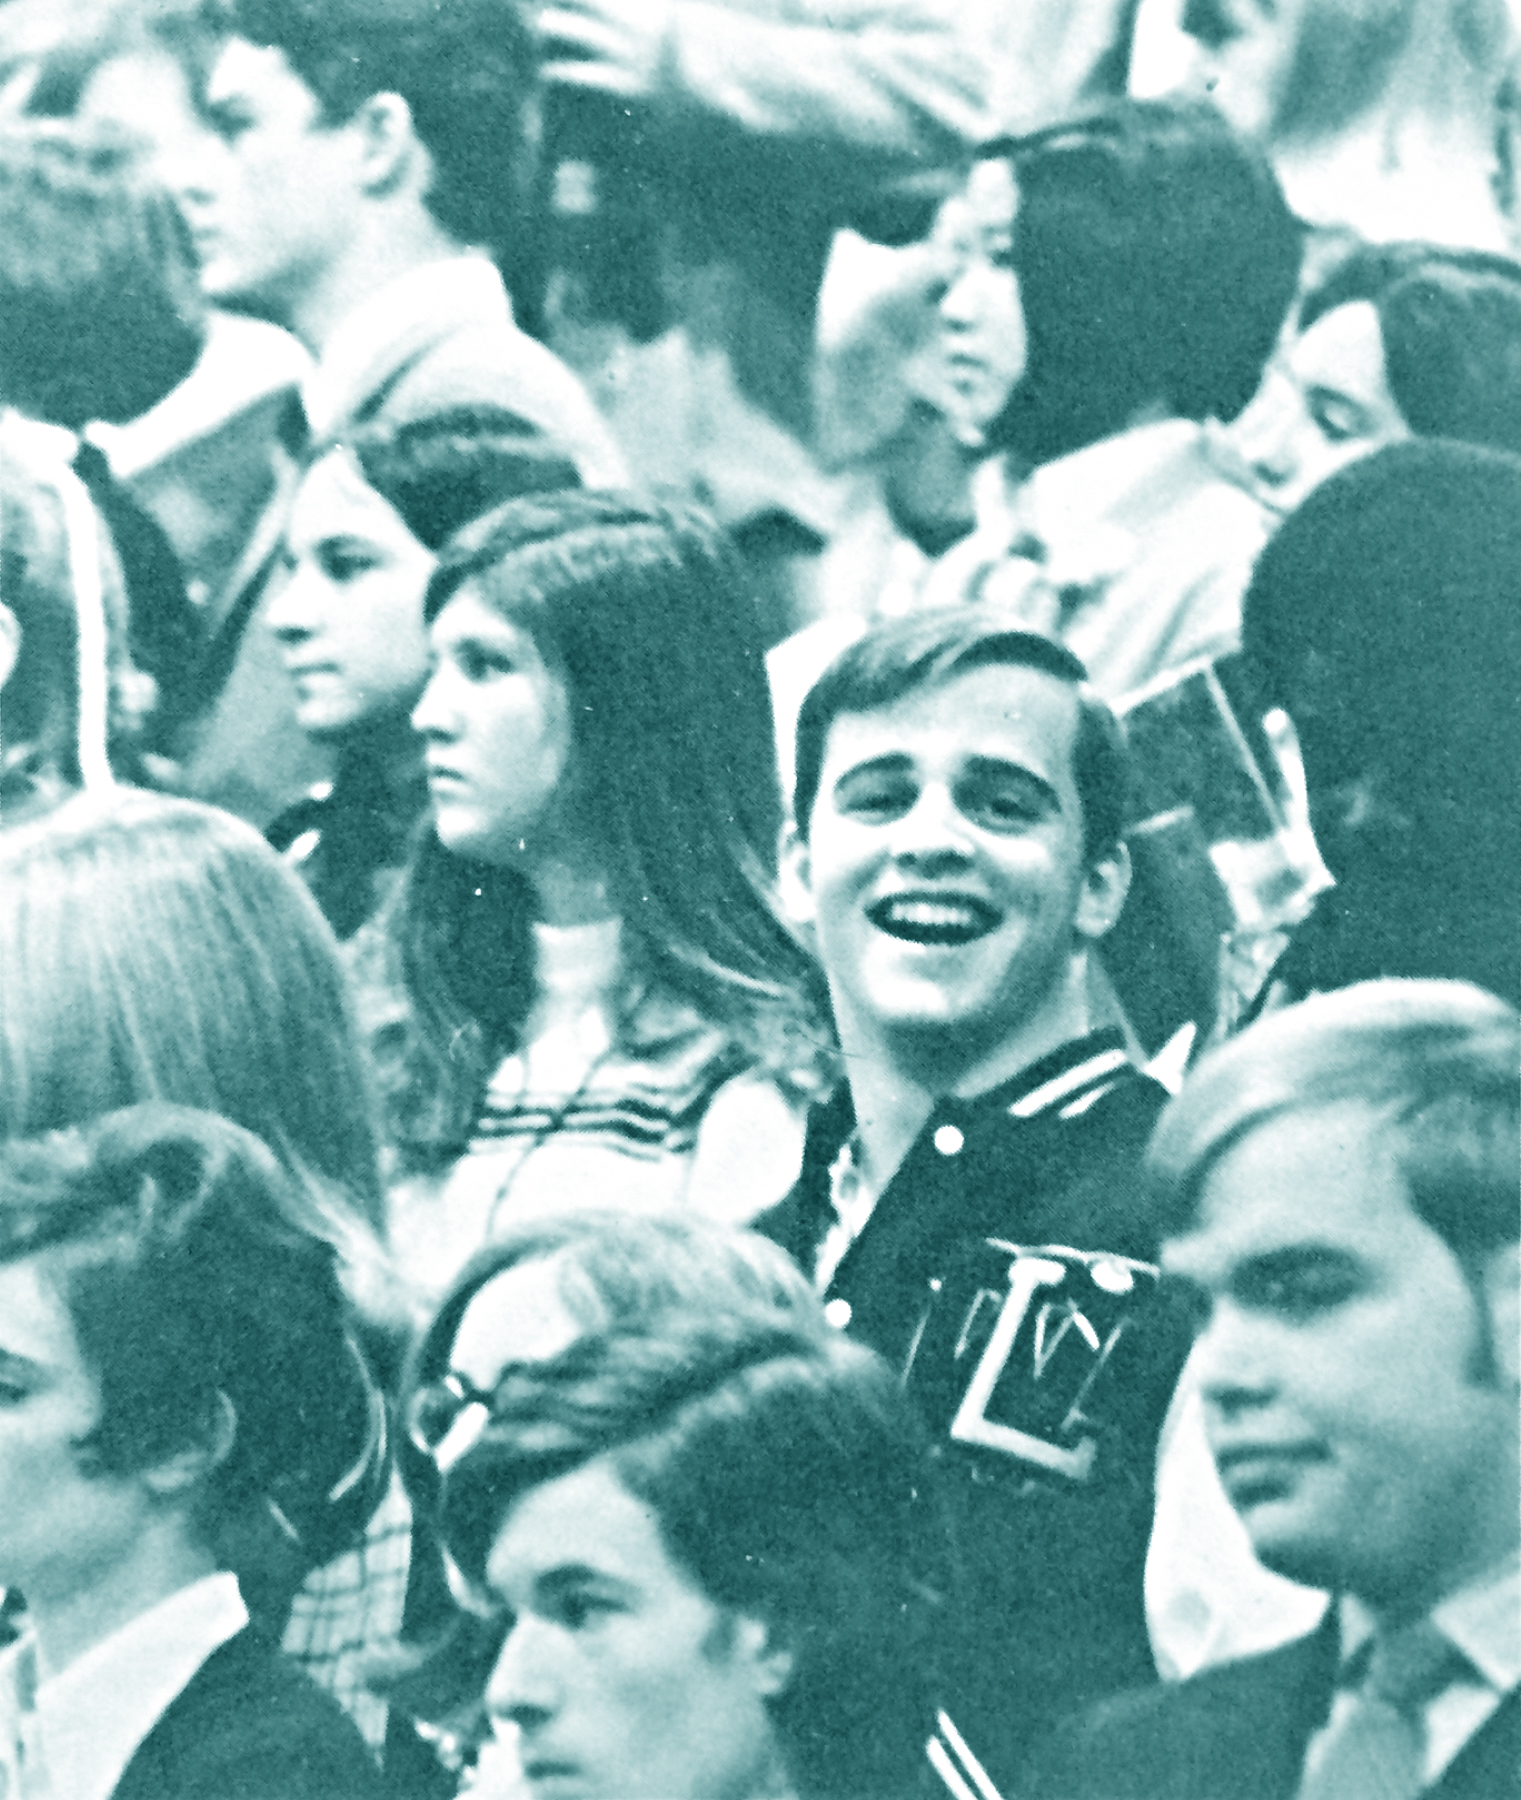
586 1519
259 77
35 1324
1344 349
1001 713
335 500
992 194
1326 1176
518 1316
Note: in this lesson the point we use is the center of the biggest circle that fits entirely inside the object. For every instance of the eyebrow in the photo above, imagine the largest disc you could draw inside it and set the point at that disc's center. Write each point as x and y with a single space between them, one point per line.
999 768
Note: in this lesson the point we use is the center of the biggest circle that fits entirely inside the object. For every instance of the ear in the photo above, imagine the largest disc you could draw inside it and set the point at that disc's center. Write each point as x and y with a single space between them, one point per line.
10 642
188 1467
758 1647
1502 1294
795 876
1102 900
391 153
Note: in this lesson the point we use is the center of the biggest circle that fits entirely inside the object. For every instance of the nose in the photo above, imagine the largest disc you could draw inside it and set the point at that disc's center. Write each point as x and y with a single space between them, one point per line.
434 715
1274 435
933 836
958 297
1231 1362
289 612
522 1687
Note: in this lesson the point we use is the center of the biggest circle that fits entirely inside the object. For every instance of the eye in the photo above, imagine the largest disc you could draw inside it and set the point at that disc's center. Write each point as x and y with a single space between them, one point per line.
1302 1291
1337 419
875 796
1005 805
1189 1300
228 122
346 562
481 662
581 1609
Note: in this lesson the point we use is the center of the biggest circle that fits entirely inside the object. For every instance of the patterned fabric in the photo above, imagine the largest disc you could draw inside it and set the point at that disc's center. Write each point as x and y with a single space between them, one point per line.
351 1608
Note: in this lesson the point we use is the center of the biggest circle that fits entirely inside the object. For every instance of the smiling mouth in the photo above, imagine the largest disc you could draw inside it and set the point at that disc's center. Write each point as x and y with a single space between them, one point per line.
1251 1473
918 919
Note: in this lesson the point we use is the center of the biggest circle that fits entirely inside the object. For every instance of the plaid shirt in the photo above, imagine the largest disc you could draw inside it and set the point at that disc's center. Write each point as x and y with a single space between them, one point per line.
351 1608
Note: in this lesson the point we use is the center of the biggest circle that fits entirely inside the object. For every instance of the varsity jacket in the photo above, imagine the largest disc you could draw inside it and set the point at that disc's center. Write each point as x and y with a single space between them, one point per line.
1008 1270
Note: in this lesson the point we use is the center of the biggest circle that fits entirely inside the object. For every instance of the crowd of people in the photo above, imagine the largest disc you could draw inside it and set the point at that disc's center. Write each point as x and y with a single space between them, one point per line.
758 949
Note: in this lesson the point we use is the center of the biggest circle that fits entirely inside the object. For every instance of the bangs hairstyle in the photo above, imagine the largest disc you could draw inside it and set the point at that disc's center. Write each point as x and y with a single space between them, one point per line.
926 650
1450 326
179 1248
790 1484
100 307
613 1271
1441 1060
643 612
157 949
467 70
1157 259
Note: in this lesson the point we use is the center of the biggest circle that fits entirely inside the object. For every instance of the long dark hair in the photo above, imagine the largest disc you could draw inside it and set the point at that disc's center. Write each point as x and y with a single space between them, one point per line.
642 610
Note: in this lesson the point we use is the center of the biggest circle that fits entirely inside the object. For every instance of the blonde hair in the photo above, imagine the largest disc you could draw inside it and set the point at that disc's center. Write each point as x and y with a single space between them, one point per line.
157 949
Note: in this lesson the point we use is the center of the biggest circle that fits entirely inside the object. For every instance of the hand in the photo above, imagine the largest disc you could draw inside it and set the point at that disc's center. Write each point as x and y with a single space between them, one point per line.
607 46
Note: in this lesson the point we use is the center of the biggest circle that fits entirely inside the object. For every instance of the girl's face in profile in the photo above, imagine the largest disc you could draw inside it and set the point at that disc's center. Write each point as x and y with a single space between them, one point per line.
496 723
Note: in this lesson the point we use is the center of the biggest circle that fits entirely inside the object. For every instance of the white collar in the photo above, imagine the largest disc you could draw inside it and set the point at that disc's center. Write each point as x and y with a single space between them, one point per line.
1482 1619
391 325
93 1715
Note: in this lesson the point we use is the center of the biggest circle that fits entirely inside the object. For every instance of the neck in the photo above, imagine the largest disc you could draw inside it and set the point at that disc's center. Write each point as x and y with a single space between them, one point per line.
70 1622
570 890
898 1077
387 245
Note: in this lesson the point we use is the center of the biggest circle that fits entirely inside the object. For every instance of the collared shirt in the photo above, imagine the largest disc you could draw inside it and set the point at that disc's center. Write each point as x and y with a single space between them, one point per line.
414 316
88 1720
1135 551
1483 1622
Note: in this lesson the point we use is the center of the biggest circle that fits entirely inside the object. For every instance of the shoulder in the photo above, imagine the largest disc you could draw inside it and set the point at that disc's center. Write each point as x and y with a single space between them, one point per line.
251 1725
1236 1732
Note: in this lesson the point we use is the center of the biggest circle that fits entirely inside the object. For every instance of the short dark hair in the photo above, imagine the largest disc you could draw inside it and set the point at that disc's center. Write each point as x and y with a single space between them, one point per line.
100 310
446 468
467 69
1441 1058
1383 616
925 649
176 1243
789 1481
1157 259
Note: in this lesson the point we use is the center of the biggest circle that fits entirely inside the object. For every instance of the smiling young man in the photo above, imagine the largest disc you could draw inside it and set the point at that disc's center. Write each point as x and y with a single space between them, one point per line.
967 1197
1341 1196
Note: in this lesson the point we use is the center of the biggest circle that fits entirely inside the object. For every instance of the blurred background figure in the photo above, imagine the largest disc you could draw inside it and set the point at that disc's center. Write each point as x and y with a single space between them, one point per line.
1147 259
209 459
180 1373
72 705
1383 119
100 317
1398 341
154 949
582 988
1404 696
368 520
699 160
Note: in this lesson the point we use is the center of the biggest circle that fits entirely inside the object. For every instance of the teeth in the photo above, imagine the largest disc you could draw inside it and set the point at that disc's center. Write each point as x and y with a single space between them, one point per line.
934 913
923 920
